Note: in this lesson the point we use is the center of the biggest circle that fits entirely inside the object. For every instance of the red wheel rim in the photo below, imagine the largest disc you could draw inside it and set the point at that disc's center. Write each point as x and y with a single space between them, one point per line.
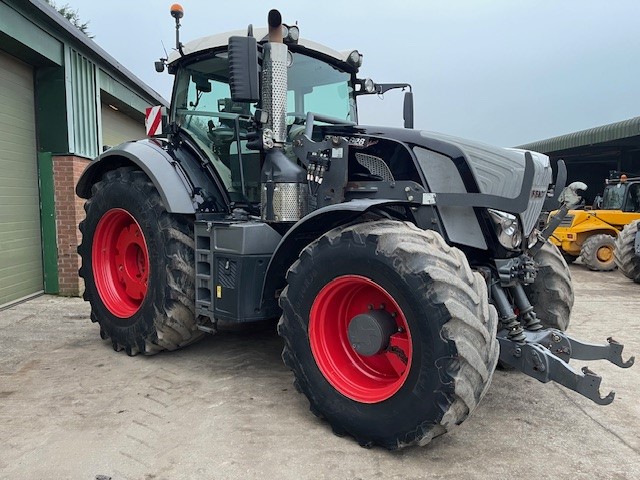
366 379
120 261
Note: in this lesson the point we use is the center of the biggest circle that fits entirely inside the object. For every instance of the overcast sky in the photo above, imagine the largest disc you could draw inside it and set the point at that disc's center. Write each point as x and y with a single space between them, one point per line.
504 72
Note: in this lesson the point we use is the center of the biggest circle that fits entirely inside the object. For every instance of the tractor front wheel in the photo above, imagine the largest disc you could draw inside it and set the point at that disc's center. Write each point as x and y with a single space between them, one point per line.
552 292
137 266
389 333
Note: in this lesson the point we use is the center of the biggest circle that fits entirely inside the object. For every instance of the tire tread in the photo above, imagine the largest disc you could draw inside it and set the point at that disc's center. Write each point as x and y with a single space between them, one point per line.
455 287
174 321
624 254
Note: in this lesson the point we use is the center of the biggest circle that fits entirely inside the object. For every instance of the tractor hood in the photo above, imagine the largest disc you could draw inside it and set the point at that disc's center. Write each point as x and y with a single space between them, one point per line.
455 165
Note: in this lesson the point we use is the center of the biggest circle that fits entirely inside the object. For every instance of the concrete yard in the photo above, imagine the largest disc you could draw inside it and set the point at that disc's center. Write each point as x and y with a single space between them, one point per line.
225 408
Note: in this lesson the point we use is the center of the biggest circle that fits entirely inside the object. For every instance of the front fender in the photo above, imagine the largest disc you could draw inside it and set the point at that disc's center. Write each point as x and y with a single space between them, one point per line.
156 163
306 231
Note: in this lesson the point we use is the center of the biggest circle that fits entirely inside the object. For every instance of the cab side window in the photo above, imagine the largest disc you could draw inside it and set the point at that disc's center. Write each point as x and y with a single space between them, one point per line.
633 202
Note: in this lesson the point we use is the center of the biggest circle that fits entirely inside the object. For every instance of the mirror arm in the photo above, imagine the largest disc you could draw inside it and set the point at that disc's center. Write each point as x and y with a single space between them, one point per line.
382 88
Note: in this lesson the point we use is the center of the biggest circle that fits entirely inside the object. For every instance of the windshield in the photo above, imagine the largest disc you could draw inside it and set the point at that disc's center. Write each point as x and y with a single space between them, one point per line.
203 107
316 86
613 198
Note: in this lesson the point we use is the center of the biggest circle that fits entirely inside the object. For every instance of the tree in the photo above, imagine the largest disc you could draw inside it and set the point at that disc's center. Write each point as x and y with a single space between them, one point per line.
72 15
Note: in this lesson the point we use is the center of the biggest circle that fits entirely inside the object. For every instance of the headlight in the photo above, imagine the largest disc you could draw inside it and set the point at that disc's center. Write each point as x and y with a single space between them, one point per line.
533 238
507 228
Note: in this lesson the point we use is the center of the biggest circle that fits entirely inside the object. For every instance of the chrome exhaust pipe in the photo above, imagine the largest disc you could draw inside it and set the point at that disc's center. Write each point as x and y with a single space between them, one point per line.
284 193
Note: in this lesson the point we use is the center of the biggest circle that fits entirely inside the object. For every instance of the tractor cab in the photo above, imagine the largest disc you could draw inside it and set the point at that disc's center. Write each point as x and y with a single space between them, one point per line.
622 194
203 109
319 80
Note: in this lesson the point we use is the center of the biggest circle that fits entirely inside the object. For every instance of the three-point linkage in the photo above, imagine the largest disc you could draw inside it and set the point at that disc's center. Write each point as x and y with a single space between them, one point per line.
544 355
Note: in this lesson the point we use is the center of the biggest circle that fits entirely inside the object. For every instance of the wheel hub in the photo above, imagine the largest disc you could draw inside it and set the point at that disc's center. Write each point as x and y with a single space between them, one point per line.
365 354
120 260
370 332
605 254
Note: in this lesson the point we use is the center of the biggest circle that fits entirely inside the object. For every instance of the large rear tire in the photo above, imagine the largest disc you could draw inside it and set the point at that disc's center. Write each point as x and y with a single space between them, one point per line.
138 266
433 369
626 258
597 252
552 292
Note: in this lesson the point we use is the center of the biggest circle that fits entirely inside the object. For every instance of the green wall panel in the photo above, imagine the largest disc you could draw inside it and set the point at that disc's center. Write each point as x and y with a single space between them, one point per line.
48 222
16 27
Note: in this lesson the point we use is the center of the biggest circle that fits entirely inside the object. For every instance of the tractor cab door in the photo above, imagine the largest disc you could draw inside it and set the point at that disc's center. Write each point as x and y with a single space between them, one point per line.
632 203
203 109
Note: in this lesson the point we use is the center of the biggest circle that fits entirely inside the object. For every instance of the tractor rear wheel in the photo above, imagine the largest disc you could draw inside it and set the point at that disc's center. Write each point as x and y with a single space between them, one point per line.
597 252
626 258
137 265
389 333
552 292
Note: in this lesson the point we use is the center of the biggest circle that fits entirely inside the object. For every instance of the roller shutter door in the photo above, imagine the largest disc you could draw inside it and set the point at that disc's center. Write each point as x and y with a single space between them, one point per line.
20 242
118 127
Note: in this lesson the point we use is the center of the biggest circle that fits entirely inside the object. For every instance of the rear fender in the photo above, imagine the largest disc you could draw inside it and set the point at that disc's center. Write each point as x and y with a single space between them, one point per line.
170 181
306 231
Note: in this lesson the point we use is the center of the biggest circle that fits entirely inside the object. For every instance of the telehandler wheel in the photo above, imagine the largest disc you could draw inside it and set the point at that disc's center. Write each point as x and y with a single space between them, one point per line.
138 266
389 333
625 255
552 293
597 252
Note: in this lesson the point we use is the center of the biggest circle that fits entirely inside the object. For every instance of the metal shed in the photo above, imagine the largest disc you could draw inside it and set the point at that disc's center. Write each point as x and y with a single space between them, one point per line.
62 99
591 154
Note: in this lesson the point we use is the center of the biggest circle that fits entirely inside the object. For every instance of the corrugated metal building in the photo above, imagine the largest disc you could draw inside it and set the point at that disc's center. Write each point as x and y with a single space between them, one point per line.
62 99
591 154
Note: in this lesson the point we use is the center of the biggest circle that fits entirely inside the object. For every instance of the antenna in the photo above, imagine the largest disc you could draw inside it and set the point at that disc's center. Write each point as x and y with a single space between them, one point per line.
159 65
166 55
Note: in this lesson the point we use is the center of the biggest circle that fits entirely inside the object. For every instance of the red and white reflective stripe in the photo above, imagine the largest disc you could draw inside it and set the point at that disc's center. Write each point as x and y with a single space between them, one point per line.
153 120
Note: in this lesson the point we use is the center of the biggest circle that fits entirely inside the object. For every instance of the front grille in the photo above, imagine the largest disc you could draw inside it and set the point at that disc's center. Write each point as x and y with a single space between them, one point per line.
375 165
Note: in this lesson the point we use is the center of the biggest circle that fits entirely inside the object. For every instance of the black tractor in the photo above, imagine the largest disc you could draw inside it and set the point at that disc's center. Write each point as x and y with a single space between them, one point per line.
403 264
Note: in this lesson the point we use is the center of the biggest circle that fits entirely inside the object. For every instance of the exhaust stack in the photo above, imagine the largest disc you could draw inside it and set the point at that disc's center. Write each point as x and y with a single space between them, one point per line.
274 79
284 196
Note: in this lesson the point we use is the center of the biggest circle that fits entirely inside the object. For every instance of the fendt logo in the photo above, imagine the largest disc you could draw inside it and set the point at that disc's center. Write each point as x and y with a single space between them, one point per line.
538 193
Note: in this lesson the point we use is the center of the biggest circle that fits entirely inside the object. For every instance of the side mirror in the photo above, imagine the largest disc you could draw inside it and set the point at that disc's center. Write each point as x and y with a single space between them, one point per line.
570 195
243 69
407 110
202 83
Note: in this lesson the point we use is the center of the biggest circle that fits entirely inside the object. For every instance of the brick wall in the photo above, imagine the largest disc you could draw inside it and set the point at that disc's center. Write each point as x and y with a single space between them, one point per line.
69 213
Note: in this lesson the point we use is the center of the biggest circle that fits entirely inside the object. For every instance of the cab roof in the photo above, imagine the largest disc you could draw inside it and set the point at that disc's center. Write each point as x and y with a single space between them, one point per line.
222 40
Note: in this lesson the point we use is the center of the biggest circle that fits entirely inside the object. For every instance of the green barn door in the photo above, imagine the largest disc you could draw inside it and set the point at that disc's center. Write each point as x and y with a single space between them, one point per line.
20 244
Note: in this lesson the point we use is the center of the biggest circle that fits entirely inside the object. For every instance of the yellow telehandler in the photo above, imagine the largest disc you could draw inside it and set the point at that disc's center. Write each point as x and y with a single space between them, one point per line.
590 233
